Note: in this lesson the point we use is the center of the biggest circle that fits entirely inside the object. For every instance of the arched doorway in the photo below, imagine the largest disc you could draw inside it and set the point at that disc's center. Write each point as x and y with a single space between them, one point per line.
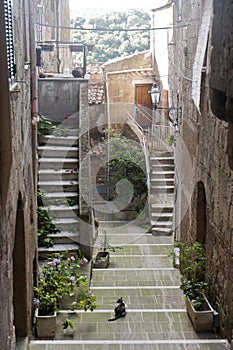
201 214
19 275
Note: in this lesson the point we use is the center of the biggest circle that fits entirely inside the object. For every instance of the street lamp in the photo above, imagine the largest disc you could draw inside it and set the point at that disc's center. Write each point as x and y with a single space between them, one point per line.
155 93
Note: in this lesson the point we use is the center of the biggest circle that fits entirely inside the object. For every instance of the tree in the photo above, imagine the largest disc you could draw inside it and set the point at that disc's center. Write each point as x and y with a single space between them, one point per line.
112 35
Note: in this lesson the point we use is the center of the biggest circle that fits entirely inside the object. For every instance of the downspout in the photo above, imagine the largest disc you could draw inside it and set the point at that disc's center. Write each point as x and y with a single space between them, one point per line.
5 117
33 85
58 36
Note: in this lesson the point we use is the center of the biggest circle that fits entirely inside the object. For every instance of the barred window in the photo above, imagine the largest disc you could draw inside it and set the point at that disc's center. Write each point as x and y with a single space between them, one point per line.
9 39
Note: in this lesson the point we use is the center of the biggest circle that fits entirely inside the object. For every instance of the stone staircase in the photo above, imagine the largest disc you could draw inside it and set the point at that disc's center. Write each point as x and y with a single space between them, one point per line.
142 273
58 178
162 192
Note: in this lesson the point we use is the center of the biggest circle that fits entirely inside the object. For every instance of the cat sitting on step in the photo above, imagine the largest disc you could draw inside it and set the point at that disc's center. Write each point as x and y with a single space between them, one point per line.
120 310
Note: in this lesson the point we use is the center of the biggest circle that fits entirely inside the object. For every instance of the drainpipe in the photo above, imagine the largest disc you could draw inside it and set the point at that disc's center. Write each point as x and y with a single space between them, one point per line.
5 117
33 86
58 36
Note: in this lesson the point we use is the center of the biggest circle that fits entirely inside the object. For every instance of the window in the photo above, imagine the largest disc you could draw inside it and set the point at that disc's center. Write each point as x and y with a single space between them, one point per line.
9 39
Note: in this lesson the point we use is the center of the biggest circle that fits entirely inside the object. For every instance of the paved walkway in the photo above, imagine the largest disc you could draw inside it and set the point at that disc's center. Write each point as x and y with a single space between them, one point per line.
142 273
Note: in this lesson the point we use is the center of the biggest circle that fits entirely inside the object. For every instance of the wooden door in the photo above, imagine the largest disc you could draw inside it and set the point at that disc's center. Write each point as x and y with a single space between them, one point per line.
143 104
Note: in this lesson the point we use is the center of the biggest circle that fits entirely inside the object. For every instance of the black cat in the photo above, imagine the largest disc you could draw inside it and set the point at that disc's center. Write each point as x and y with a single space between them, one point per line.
120 310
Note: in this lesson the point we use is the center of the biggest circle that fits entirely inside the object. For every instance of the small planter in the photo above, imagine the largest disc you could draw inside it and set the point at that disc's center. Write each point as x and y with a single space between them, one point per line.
101 260
46 326
202 320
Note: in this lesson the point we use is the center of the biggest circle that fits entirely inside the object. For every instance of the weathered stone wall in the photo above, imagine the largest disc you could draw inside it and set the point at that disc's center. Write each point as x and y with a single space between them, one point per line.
55 13
58 97
18 217
122 75
208 217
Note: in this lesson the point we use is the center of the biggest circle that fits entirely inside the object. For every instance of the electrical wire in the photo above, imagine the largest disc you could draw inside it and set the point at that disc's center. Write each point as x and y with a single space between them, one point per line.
103 29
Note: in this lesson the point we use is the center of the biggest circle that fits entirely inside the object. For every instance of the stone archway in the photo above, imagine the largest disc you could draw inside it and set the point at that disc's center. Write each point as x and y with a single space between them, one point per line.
19 275
201 214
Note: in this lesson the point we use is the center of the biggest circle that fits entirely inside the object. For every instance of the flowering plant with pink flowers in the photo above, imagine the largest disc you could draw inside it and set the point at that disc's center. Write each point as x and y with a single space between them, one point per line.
60 276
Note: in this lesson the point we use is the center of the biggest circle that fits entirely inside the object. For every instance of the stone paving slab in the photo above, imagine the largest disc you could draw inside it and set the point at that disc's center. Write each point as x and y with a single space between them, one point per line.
156 316
140 298
135 326
143 250
122 238
75 345
114 278
139 261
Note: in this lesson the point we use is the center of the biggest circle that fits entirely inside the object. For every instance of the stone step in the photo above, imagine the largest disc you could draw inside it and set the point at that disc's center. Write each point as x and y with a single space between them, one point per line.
67 224
139 277
161 208
44 252
137 249
139 261
116 239
49 151
162 181
145 344
62 211
162 189
157 231
59 141
64 237
161 223
164 216
160 173
60 198
162 160
58 175
58 186
58 163
161 168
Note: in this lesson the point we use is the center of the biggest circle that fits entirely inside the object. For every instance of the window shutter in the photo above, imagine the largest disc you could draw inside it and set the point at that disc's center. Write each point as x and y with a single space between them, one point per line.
9 39
39 13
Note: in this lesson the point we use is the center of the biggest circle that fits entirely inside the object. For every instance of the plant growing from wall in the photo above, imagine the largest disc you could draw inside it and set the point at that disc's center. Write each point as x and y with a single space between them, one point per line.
44 126
45 224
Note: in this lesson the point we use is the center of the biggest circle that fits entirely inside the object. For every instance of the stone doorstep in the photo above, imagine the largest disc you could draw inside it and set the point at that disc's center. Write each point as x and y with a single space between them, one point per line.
197 344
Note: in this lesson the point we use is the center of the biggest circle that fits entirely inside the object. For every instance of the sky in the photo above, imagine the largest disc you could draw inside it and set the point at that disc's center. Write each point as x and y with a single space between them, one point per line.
75 5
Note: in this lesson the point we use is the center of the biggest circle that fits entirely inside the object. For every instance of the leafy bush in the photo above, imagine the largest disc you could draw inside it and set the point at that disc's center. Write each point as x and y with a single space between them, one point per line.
59 277
192 267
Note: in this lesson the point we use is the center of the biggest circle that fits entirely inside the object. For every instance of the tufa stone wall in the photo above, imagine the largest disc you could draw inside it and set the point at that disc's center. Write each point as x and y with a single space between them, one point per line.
18 217
56 13
206 129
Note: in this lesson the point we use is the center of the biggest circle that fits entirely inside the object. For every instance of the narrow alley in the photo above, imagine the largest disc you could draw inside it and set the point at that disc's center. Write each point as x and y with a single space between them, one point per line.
142 273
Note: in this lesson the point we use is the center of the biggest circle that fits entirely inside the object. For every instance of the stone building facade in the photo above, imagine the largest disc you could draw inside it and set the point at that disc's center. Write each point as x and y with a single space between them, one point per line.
18 252
126 78
53 36
201 78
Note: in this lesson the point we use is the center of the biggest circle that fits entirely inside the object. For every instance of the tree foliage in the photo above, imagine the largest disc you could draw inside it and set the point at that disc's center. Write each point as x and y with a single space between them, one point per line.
116 43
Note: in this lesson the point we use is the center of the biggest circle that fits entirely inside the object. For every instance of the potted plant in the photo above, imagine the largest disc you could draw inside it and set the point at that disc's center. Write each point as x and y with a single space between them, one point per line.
103 256
59 277
198 307
192 267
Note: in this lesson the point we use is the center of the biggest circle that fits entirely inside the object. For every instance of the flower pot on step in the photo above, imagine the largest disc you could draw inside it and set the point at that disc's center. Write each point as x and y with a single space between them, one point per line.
102 260
202 320
46 326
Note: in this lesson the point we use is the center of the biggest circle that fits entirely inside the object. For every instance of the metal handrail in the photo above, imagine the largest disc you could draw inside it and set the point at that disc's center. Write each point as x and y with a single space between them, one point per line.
145 150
